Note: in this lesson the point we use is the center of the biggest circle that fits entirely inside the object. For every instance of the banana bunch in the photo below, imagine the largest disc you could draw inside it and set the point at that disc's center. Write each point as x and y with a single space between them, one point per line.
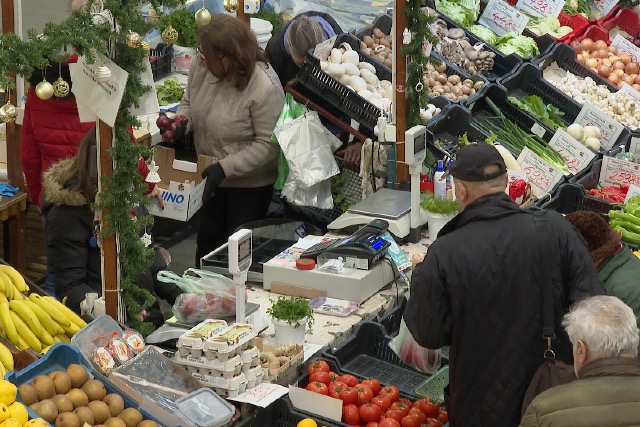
6 360
12 284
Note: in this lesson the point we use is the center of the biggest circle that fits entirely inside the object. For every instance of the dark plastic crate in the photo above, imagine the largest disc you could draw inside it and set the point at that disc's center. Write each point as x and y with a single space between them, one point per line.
393 318
453 70
447 127
573 197
283 414
383 22
160 59
591 178
185 148
382 71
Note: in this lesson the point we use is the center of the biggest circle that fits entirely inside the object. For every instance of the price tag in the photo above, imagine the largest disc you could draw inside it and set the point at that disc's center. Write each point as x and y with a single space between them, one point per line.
590 115
634 147
577 156
501 18
323 50
538 130
605 6
633 191
617 171
625 45
630 91
542 176
541 7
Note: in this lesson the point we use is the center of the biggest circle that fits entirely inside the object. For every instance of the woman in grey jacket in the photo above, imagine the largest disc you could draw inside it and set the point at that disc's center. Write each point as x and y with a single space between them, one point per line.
233 100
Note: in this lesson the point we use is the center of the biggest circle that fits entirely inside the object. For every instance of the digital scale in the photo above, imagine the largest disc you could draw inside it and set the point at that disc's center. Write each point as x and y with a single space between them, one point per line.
240 249
400 208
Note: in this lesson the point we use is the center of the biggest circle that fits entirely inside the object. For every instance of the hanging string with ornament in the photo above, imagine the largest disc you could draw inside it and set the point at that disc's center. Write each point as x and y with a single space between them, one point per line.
203 16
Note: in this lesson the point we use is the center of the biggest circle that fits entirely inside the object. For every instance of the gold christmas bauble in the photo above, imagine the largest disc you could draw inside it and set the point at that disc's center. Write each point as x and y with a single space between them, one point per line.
102 74
144 45
169 35
203 17
44 90
231 5
8 113
133 39
60 88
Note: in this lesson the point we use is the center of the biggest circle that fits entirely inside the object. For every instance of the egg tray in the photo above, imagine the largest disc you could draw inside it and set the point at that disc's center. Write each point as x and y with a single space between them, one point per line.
228 368
228 387
227 343
192 341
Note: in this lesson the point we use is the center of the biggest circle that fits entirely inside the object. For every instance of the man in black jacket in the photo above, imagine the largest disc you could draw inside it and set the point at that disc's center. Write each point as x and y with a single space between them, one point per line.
478 291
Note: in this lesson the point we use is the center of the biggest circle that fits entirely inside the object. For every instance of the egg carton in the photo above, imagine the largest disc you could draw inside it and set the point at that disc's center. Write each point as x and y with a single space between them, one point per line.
254 376
232 340
210 379
192 341
226 369
250 358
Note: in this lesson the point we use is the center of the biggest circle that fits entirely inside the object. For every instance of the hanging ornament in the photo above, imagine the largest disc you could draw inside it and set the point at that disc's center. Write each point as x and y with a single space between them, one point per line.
153 175
133 39
102 74
231 5
146 239
169 35
60 87
144 45
44 90
8 113
203 17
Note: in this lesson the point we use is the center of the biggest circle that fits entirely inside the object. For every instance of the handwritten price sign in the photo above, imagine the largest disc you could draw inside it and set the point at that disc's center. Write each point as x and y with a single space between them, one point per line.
501 18
577 156
625 45
542 176
616 171
541 7
605 6
590 115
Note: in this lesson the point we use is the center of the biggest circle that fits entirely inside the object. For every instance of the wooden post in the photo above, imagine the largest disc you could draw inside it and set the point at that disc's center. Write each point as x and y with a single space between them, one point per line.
109 250
245 17
400 106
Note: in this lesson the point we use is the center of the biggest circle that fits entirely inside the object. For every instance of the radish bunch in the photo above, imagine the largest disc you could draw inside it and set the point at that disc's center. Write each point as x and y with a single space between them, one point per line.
170 127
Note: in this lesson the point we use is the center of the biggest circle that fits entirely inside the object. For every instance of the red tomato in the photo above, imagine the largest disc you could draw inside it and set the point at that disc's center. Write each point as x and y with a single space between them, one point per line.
349 380
372 424
411 421
432 422
351 414
348 395
319 388
373 384
443 415
391 392
400 406
321 377
395 414
389 422
429 407
318 365
364 394
370 412
334 376
335 388
383 402
417 412
406 402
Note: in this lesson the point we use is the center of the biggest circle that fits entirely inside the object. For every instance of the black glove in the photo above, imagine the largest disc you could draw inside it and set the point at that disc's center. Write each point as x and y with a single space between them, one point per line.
215 175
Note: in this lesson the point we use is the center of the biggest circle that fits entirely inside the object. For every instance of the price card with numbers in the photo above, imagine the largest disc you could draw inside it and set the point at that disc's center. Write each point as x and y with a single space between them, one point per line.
625 45
634 148
261 395
541 7
633 191
542 176
605 6
501 18
590 115
630 91
577 156
617 171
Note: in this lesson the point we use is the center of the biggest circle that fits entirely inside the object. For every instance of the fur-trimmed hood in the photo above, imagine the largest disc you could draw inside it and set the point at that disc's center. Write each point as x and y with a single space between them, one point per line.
54 191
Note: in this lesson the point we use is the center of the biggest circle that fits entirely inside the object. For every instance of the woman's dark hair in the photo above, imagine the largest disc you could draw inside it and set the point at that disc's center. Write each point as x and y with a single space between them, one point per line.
80 176
51 74
230 37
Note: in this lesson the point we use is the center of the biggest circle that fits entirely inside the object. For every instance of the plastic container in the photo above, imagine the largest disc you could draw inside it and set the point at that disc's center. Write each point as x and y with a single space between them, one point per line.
434 386
161 58
392 319
453 70
626 19
440 185
85 339
204 408
383 22
445 136
573 197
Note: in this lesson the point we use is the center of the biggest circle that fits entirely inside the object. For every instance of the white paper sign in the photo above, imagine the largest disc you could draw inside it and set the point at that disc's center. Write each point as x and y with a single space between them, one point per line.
323 50
625 45
541 7
542 176
101 98
605 6
577 156
633 191
617 171
590 115
84 113
148 102
634 147
501 18
630 91
325 406
261 395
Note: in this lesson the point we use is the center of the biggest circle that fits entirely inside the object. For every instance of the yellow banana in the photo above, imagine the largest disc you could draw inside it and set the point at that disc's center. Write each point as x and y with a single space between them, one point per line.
3 297
26 333
16 277
6 358
3 371
21 343
59 329
30 318
9 288
55 314
56 339
46 338
44 350
7 322
4 281
71 330
63 338
73 317
46 320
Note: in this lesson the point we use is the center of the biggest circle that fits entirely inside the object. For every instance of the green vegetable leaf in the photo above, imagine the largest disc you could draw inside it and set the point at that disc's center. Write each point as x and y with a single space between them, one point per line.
463 139
170 91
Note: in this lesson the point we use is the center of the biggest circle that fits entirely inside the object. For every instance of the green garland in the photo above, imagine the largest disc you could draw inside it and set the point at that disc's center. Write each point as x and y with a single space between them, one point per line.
126 187
418 23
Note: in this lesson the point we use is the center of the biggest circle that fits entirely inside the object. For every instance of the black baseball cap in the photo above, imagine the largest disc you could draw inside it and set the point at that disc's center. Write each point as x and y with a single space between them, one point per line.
473 158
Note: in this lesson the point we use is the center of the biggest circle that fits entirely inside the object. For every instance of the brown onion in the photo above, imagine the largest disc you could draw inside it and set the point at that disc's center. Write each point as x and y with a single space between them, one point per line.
587 44
600 45
636 86
631 68
625 58
613 78
612 49
580 58
607 62
591 63
577 46
627 79
618 72
618 65
636 79
604 71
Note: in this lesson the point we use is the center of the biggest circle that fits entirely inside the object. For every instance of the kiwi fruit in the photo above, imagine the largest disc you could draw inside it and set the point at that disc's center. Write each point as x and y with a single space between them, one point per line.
94 390
28 394
78 374
131 416
78 397
68 419
115 403
44 386
115 422
148 423
85 414
46 409
100 411
63 403
61 381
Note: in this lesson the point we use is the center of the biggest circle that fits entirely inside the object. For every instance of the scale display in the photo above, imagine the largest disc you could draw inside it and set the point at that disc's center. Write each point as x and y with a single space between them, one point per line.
240 251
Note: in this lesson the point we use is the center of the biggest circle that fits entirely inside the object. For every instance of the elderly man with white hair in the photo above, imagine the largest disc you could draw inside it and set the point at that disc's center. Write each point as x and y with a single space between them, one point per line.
604 334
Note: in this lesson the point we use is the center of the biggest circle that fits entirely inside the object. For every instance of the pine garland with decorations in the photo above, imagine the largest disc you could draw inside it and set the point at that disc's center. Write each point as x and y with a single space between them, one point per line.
416 94
125 188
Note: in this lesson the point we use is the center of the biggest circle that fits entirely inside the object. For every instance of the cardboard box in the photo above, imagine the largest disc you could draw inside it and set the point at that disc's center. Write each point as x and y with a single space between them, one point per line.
182 185
284 374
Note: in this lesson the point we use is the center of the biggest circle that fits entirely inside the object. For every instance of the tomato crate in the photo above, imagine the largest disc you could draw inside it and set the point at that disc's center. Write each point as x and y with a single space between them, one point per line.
160 59
573 197
392 319
444 137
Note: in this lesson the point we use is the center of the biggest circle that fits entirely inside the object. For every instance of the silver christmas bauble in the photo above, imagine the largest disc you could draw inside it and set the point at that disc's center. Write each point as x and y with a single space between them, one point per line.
44 90
203 17
60 88
102 74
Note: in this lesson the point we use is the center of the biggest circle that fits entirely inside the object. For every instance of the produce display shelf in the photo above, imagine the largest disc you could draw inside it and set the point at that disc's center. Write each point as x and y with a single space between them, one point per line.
391 320
573 197
446 128
160 59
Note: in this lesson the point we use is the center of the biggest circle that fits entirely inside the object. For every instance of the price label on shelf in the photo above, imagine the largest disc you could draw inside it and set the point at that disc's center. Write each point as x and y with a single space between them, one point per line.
625 45
577 156
634 147
630 91
590 115
323 50
501 18
633 191
542 176
541 7
617 171
605 6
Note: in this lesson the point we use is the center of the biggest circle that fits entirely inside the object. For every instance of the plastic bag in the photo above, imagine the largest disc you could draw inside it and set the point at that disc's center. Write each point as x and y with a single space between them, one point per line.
291 111
206 295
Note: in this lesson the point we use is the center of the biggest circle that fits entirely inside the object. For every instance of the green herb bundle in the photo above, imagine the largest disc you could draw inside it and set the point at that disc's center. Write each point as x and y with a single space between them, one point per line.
291 310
